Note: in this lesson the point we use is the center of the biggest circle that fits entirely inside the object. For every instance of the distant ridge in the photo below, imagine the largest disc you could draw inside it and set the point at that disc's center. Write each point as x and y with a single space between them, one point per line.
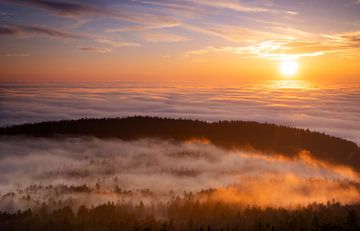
269 138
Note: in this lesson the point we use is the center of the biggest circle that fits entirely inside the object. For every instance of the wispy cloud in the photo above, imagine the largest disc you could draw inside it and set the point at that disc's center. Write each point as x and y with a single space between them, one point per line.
17 55
232 5
47 31
111 43
292 12
158 36
2 13
292 48
292 31
77 9
348 39
136 28
61 7
205 7
270 49
95 49
212 49
182 9
8 30
229 32
117 43
280 50
37 30
31 30
195 6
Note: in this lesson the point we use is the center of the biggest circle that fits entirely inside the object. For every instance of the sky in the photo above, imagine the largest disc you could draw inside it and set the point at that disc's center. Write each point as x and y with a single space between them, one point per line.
188 40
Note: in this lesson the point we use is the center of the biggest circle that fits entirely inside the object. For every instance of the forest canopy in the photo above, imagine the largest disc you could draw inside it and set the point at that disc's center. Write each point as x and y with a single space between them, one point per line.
262 137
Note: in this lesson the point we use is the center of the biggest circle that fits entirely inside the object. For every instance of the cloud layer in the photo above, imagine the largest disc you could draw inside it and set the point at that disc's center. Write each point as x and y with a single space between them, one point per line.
326 109
92 171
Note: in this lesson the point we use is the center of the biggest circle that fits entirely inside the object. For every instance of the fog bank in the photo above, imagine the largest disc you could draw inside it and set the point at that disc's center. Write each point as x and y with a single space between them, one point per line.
92 171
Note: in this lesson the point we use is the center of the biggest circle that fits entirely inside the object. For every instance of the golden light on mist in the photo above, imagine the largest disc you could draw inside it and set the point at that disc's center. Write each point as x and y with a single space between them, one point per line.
289 67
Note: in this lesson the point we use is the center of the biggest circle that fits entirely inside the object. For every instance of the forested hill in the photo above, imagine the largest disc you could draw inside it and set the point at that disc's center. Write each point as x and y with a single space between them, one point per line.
267 138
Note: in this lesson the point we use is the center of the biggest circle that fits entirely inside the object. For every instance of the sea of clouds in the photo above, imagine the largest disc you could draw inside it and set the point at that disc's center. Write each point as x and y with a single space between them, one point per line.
333 109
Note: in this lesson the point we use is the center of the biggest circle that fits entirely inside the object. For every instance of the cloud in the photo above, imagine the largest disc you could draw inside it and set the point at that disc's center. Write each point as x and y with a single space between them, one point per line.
233 5
31 30
230 32
7 30
117 43
192 5
113 44
47 31
329 109
344 40
61 7
292 12
183 9
45 170
212 49
156 36
284 50
291 48
292 31
2 13
136 28
76 9
17 55
95 49
36 30
270 49
352 37
191 8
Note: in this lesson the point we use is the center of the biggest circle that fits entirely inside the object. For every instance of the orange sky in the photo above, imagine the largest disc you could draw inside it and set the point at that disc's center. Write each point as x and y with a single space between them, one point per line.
178 40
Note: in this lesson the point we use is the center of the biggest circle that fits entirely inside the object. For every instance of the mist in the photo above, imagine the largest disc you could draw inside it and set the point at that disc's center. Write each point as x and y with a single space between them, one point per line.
90 171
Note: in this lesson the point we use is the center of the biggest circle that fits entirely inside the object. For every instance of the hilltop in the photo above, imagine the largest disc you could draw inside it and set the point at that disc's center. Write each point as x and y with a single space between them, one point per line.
263 137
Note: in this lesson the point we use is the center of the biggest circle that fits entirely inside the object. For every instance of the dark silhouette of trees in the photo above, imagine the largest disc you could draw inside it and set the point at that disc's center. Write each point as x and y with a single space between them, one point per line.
268 138
185 214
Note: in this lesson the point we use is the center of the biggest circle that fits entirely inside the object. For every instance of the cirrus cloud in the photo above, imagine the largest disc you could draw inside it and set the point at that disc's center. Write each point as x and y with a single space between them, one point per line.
36 30
95 49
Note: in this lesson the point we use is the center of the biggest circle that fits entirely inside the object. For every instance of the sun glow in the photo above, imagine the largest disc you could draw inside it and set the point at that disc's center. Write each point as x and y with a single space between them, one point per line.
289 67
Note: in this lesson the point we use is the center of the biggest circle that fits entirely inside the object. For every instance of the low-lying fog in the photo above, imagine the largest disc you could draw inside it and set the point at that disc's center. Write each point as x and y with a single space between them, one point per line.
91 171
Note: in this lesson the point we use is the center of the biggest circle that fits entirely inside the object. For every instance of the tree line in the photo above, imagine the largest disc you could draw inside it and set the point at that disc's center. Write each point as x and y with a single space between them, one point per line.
264 137
181 214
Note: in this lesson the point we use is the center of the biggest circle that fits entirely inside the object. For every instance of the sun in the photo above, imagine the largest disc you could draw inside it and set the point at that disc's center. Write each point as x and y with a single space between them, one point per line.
289 67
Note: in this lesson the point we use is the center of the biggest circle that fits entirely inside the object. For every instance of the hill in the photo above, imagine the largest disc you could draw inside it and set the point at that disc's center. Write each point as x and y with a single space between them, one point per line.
267 138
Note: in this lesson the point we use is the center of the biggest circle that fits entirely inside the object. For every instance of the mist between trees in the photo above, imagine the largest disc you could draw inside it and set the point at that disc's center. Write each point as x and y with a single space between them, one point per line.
184 213
90 171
